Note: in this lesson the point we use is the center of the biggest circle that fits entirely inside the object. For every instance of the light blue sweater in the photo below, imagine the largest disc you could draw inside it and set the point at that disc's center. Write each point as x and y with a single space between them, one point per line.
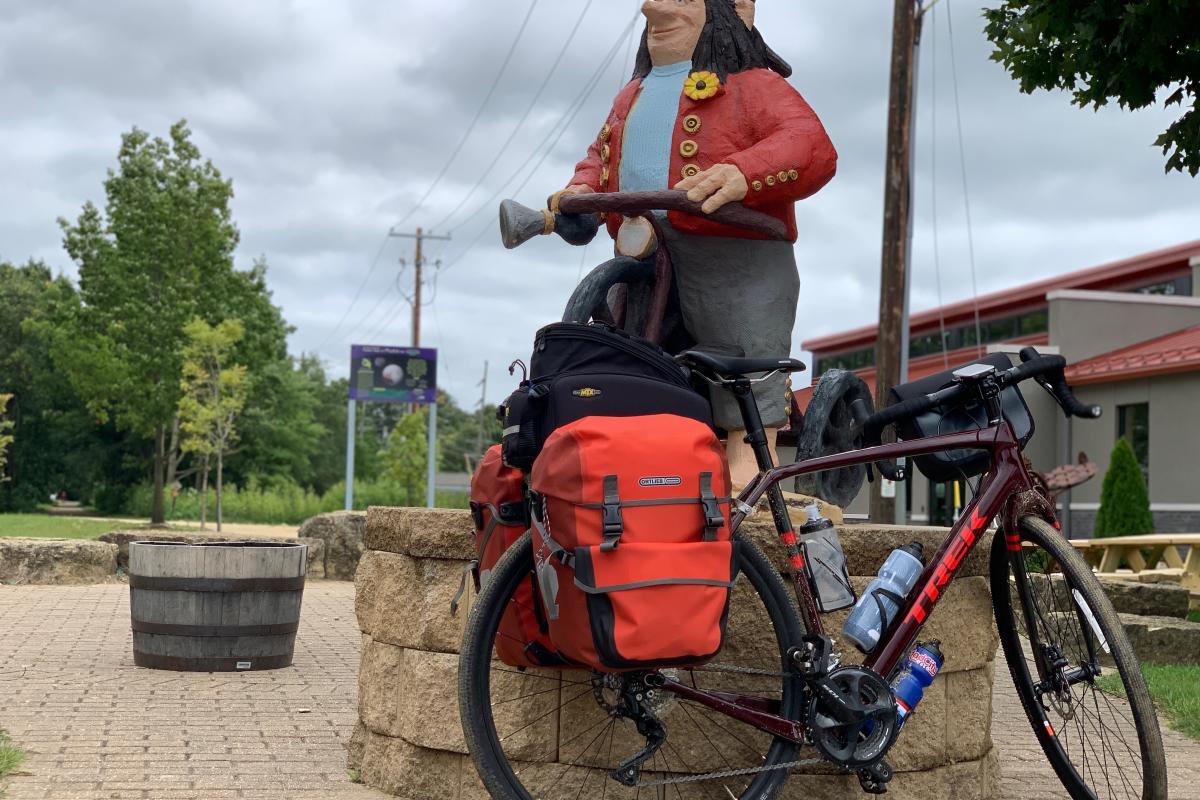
646 145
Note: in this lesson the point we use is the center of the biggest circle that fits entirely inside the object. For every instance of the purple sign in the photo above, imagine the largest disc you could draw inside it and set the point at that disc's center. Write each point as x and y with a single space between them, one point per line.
393 374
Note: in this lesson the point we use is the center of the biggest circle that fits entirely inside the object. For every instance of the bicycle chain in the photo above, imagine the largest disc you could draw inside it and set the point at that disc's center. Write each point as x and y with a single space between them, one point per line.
733 773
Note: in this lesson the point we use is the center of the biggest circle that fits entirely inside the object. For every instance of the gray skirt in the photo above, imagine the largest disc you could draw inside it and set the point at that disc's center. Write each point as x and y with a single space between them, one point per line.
737 297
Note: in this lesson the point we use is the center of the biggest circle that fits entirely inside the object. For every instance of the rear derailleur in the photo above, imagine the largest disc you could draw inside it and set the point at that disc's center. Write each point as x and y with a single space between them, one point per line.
640 699
851 713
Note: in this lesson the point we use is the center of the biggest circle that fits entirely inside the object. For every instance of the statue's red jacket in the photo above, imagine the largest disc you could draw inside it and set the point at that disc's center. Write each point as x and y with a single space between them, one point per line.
757 122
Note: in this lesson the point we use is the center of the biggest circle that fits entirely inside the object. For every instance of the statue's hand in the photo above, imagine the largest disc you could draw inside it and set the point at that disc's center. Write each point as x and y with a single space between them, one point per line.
716 186
577 188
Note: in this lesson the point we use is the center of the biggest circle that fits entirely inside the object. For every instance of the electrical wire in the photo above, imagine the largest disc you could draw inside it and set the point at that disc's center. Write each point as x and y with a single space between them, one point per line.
933 181
550 74
478 115
562 125
962 157
383 246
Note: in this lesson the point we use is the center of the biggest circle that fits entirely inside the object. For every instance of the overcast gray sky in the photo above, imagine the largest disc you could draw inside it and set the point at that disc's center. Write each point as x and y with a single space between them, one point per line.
334 118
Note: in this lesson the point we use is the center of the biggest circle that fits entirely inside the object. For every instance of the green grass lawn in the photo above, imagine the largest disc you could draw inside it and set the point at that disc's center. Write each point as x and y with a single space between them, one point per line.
44 526
1176 691
1194 615
11 756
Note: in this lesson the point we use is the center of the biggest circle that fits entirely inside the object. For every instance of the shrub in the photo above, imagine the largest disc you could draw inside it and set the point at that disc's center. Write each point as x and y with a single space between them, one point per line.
1124 502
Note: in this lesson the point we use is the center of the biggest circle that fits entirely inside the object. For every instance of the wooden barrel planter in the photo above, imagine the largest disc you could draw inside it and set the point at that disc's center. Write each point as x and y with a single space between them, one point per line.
215 607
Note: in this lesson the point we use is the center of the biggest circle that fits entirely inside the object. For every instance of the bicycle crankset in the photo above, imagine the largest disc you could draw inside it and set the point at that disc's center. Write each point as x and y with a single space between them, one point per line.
852 717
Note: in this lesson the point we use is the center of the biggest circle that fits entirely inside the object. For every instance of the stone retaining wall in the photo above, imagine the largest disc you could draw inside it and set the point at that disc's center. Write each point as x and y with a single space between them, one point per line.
24 561
409 741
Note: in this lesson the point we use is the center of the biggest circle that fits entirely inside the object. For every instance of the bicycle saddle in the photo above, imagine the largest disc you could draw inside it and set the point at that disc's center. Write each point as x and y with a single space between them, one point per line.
737 367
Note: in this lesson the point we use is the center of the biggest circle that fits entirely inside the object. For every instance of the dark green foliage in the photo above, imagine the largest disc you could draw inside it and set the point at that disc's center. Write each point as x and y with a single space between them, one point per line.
1106 51
1124 503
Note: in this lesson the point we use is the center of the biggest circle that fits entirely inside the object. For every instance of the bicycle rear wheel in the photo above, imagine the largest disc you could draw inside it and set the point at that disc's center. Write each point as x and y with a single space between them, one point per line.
1075 670
556 735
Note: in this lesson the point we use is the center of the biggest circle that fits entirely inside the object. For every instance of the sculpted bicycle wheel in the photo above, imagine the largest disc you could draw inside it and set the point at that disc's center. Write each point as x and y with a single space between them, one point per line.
538 734
1075 671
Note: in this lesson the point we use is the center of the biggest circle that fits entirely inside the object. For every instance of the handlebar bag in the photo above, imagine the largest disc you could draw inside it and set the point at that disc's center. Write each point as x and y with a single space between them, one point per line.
580 370
960 464
632 541
501 515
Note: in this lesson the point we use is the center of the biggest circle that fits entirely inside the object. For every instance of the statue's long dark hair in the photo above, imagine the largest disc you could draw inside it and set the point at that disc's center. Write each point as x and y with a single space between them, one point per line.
726 46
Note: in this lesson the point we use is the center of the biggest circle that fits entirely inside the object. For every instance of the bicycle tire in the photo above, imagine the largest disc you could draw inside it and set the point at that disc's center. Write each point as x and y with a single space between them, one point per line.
475 667
1057 741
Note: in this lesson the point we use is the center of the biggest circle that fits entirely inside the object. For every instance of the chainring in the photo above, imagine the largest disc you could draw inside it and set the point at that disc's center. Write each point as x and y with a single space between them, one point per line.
865 738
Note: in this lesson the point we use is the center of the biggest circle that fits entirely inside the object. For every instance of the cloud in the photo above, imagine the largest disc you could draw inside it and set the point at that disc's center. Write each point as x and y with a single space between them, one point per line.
332 119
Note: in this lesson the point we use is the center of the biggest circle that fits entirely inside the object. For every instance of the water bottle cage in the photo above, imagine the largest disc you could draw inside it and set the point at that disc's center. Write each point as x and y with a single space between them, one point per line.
884 619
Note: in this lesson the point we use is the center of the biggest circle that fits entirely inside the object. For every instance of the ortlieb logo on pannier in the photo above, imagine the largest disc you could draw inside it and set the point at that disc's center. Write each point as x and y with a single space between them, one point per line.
632 541
501 516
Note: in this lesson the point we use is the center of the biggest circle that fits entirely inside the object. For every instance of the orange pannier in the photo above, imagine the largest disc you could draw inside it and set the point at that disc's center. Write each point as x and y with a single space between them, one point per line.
632 541
501 515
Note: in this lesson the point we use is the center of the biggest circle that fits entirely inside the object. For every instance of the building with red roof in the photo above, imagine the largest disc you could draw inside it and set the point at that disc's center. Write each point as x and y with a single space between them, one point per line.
1131 332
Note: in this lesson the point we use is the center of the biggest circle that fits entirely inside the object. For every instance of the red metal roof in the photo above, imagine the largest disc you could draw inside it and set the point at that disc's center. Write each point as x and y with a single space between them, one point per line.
925 366
1128 273
1165 355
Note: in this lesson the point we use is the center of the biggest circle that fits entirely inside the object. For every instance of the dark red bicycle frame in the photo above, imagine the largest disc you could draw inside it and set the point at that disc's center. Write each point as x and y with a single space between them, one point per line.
1008 479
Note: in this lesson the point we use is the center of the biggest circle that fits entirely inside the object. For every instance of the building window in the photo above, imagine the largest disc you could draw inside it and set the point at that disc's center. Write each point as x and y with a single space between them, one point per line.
1178 287
1133 425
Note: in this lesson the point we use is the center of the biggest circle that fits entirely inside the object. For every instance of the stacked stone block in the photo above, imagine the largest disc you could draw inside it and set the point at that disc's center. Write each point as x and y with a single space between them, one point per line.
409 740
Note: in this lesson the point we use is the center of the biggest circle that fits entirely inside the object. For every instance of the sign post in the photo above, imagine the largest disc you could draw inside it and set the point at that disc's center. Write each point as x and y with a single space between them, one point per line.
393 375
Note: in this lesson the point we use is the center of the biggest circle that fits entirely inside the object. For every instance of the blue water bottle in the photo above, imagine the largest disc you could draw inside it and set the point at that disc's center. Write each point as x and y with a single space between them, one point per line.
924 664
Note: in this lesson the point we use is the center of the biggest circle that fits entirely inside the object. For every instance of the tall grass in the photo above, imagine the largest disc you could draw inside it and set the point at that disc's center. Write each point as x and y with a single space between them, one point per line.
281 505
11 756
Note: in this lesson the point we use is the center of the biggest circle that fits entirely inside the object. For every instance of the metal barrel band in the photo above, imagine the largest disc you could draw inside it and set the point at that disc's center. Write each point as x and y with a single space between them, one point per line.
217 584
215 631
182 664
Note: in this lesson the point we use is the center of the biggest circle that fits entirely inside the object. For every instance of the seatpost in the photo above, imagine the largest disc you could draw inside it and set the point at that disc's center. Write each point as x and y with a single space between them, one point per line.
756 435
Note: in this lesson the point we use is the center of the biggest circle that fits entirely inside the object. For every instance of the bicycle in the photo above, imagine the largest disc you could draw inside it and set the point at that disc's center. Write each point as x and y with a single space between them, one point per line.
739 723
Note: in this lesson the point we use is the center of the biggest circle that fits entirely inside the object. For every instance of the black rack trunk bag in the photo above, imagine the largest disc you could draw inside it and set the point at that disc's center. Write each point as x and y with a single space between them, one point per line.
586 370
959 464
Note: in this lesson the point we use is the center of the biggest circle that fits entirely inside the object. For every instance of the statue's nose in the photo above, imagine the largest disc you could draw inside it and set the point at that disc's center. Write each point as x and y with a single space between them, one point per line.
658 11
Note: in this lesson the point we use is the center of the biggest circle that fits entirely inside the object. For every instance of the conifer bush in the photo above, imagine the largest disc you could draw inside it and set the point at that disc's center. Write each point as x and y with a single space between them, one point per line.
1124 502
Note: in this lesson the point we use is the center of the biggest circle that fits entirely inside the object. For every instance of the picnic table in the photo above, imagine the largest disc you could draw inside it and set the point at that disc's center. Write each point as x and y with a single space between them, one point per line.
1179 551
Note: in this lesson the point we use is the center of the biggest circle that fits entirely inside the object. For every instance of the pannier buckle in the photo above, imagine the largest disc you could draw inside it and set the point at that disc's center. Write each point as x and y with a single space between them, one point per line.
614 526
713 519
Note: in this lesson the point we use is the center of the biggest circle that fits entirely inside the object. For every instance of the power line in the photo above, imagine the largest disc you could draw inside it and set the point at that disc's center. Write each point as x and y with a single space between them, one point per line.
470 129
475 121
550 74
962 157
933 181
562 125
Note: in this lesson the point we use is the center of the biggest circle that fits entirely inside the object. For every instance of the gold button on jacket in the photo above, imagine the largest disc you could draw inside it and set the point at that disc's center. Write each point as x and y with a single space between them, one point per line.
691 123
688 148
690 170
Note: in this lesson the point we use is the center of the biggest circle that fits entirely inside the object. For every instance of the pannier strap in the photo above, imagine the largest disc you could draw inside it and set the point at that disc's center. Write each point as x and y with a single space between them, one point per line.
713 519
624 587
557 551
614 526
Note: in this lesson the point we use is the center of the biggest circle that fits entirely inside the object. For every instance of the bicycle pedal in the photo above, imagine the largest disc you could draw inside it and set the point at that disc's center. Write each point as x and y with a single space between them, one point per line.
875 778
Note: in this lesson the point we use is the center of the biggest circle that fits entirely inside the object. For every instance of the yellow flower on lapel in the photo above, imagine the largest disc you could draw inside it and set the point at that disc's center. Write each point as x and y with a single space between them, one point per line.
701 85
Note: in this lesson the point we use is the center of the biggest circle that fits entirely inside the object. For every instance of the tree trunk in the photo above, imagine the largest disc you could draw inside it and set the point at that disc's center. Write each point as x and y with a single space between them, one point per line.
204 493
173 454
158 516
220 479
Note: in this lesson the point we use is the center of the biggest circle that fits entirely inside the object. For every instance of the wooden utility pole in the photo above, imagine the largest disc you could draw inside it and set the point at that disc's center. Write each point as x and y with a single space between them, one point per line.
420 236
891 348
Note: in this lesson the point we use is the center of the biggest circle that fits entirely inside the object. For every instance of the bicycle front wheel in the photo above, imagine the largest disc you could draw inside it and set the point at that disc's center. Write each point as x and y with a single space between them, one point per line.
538 734
1075 670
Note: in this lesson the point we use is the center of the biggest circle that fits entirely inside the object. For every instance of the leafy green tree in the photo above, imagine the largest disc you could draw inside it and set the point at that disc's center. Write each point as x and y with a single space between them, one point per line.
5 436
159 256
1106 51
1124 503
406 457
213 396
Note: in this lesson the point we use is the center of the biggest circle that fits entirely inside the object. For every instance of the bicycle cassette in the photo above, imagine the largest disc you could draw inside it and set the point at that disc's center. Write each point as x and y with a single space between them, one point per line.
852 717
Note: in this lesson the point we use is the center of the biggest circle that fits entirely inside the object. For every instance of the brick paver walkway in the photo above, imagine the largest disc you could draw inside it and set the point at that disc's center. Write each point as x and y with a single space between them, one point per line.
98 728
1028 776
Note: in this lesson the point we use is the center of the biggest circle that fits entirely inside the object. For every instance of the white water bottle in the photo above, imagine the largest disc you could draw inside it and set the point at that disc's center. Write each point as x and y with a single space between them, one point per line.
880 602
826 563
